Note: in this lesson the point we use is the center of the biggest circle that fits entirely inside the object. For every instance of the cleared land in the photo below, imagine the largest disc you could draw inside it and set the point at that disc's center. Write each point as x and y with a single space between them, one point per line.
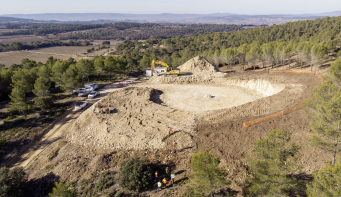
21 38
41 55
138 117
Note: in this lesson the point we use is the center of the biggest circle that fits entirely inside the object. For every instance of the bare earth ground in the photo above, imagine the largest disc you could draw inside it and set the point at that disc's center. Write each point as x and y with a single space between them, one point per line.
56 132
89 143
41 55
21 38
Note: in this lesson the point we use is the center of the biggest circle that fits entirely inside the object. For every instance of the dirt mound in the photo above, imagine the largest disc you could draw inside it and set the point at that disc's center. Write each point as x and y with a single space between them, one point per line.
192 79
263 87
133 122
198 64
195 71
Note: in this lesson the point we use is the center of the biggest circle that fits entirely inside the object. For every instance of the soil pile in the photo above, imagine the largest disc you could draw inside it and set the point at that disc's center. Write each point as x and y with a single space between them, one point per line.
195 71
131 120
198 65
263 87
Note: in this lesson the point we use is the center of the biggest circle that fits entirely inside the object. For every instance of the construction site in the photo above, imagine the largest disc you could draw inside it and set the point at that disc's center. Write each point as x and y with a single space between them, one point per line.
206 110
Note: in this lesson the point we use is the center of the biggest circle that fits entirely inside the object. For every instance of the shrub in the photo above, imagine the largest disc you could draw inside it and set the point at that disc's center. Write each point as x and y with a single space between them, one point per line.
3 116
58 113
119 194
239 68
104 183
13 111
136 174
338 54
112 193
43 102
206 176
32 136
8 119
12 182
20 119
72 184
62 190
105 42
32 117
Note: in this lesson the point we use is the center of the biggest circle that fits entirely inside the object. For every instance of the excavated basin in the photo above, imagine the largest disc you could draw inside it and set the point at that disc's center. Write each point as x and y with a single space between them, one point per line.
214 97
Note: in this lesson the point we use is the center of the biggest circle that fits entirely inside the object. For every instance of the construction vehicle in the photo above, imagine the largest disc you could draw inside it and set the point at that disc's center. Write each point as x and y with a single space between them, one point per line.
169 70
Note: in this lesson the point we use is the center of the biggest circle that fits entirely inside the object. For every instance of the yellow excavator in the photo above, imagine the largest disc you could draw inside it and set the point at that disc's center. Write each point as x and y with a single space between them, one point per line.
169 69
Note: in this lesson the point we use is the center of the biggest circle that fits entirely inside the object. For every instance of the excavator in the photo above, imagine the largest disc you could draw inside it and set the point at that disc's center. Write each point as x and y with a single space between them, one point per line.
169 69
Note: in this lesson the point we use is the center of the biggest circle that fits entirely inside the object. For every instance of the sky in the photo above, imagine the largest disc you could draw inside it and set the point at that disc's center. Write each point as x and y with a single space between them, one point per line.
169 6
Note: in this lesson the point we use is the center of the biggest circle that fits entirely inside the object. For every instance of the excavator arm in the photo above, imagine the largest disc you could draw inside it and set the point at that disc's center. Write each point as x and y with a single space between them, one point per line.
169 69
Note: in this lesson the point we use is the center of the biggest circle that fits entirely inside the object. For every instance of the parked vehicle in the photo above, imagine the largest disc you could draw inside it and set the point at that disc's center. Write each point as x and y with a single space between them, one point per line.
92 94
84 92
80 105
94 86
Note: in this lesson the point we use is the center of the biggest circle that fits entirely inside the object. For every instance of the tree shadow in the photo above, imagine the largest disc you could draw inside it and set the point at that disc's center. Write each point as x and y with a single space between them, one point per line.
156 97
253 68
227 192
42 186
324 66
32 146
186 74
175 132
189 147
168 136
302 176
179 172
113 111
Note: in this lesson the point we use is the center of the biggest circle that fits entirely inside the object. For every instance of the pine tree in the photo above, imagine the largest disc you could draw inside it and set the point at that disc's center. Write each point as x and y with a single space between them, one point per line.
229 56
58 68
24 79
317 53
70 79
18 101
85 68
206 176
273 158
110 65
327 182
145 62
41 90
325 106
253 56
267 53
99 66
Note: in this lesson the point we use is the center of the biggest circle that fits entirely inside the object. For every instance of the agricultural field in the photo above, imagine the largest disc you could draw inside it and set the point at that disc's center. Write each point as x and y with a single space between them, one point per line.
9 30
41 55
21 38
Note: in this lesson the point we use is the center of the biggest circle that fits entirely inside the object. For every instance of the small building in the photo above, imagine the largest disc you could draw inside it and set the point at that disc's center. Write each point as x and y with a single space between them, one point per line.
159 70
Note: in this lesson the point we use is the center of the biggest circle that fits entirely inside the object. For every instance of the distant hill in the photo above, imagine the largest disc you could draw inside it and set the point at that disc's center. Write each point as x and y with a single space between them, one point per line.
216 18
4 19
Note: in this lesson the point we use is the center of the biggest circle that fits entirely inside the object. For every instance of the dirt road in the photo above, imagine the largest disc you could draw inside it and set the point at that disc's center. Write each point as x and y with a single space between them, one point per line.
60 128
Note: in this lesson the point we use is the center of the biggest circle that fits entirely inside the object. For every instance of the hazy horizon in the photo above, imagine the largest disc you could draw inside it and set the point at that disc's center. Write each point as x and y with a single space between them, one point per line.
242 7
